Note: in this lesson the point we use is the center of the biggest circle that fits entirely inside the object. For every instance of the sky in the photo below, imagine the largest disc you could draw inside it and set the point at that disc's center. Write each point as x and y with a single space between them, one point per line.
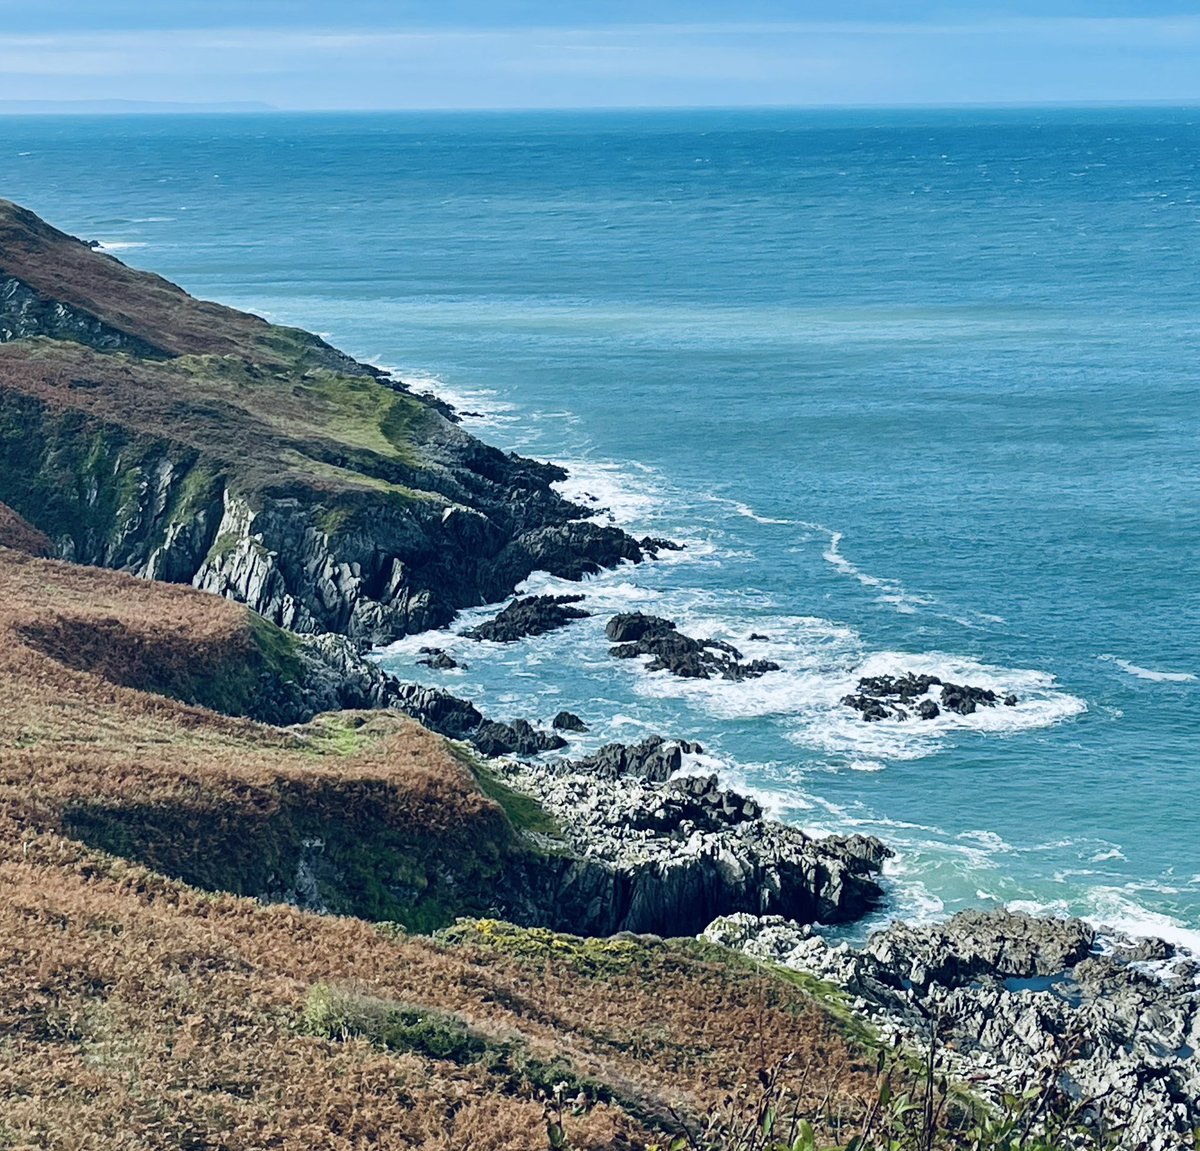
389 54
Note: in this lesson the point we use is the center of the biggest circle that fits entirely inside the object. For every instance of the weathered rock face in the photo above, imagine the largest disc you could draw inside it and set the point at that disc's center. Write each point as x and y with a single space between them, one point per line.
636 634
667 858
25 313
183 441
1013 993
654 760
534 615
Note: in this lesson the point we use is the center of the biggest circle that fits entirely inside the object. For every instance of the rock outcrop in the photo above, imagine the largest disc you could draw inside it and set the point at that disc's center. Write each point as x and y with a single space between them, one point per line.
635 634
654 760
1018 997
667 858
533 615
882 697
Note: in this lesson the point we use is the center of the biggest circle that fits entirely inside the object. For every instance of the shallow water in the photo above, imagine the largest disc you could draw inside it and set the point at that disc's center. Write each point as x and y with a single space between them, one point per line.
918 390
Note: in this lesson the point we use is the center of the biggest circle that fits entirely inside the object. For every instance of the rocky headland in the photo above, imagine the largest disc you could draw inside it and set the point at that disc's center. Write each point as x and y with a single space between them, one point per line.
144 430
171 757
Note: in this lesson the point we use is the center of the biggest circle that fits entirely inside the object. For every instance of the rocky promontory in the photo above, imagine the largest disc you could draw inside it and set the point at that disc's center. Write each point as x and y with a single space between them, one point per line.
144 430
667 855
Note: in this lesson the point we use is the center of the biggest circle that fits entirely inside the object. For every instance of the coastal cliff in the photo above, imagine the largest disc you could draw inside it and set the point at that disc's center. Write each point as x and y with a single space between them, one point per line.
199 795
144 430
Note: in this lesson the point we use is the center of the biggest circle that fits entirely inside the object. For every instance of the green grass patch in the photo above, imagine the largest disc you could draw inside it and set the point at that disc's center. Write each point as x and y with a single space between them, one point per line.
588 956
524 812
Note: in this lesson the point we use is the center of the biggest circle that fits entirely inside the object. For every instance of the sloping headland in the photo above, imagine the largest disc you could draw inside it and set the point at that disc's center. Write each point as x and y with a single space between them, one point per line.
256 893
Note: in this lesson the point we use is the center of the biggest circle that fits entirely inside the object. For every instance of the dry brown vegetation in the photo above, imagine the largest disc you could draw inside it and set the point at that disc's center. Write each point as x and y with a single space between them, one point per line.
22 536
139 1012
64 268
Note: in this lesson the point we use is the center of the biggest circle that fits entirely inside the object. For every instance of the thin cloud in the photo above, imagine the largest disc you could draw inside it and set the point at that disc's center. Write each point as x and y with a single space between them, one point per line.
1020 59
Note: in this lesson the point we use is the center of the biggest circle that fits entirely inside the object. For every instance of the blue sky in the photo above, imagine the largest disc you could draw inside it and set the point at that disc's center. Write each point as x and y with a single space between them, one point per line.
471 54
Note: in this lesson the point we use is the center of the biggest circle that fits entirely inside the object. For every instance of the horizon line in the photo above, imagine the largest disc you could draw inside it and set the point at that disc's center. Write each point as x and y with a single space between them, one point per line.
8 108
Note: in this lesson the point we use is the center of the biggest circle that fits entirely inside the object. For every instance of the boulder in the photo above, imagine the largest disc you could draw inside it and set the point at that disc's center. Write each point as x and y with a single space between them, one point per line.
534 615
568 721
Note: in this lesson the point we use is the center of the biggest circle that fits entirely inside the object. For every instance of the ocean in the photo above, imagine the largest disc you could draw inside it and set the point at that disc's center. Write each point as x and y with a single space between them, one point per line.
918 389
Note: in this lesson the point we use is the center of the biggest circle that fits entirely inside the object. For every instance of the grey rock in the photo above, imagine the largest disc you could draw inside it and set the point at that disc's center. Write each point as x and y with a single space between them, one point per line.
1010 992
568 721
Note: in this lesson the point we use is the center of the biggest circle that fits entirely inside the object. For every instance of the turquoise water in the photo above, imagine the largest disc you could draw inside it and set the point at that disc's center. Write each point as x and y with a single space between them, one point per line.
918 389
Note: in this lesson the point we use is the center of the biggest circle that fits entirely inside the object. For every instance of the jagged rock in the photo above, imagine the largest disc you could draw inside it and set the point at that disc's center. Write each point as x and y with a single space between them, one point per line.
628 627
636 634
517 738
534 615
653 544
437 710
568 721
654 759
439 661
668 858
1009 992
975 943
879 697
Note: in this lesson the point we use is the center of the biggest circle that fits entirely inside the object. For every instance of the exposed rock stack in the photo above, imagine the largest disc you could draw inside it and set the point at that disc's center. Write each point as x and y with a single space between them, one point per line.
1012 994
635 634
891 697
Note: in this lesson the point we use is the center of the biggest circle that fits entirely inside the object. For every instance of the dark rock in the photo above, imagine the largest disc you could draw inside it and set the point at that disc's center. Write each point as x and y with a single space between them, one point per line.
637 634
438 710
440 661
972 944
756 635
517 738
654 759
927 709
534 615
879 697
653 544
568 721
1010 700
666 859
629 627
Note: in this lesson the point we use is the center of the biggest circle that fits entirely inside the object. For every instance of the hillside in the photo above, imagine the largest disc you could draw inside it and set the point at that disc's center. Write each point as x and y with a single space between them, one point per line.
144 430
141 1011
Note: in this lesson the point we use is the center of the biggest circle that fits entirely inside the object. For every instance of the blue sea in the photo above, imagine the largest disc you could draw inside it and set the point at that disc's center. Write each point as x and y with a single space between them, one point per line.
919 390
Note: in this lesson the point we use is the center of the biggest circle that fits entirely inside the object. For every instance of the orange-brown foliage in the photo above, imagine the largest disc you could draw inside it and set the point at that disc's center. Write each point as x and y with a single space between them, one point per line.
21 536
138 1012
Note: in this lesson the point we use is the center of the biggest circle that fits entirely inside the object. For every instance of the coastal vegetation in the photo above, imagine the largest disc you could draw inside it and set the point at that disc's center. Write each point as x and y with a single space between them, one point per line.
230 918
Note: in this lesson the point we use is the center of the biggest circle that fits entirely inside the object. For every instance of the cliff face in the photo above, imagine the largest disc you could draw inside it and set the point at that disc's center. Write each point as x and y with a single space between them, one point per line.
144 430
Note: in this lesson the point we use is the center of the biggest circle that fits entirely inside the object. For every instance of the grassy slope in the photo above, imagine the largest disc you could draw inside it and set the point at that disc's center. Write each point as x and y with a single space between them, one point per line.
137 1011
274 406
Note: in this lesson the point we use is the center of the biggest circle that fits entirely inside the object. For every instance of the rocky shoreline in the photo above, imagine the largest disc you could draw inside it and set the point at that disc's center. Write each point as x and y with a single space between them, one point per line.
1012 998
653 843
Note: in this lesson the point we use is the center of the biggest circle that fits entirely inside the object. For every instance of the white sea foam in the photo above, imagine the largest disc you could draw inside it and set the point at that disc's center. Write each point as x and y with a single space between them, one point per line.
627 494
890 591
479 408
120 245
747 512
1149 673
